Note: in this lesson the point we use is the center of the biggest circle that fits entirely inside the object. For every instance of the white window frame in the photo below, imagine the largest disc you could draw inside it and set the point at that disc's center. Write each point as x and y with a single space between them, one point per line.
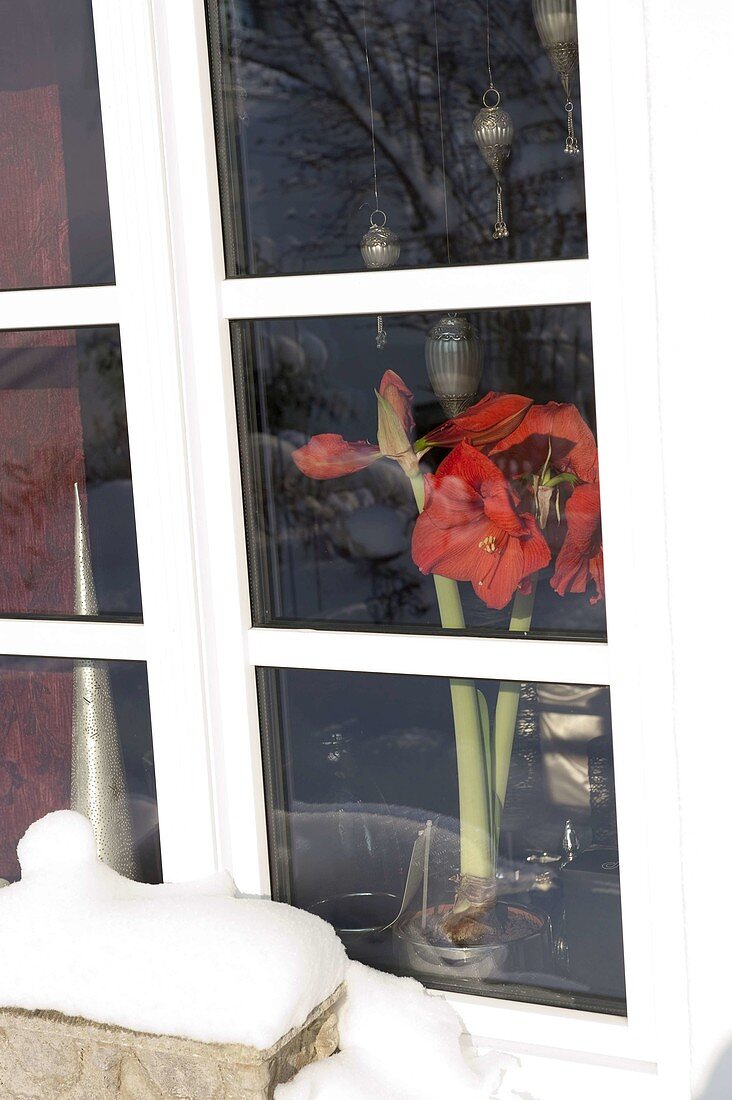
174 306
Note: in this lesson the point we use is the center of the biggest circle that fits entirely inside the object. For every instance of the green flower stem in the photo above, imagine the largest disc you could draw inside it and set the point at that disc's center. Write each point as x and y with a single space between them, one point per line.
507 704
475 849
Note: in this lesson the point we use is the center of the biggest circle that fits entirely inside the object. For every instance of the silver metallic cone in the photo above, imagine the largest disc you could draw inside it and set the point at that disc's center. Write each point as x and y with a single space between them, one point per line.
98 787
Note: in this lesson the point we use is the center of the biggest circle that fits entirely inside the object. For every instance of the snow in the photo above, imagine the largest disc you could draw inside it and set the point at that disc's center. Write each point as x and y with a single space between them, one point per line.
188 959
400 1043
194 960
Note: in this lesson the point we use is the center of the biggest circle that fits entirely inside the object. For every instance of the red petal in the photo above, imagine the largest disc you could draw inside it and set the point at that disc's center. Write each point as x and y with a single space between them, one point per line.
492 418
580 559
515 566
467 466
536 551
451 502
330 455
573 445
500 574
400 397
448 551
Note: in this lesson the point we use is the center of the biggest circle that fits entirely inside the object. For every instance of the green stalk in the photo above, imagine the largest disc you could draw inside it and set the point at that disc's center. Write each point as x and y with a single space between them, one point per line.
507 704
475 819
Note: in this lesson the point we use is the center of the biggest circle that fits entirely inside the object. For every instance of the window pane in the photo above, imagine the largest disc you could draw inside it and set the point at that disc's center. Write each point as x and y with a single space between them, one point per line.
357 765
47 709
295 144
345 551
55 228
63 428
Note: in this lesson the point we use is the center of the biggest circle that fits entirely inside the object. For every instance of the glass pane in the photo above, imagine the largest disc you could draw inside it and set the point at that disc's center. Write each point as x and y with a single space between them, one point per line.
365 791
67 523
55 228
348 550
296 159
51 711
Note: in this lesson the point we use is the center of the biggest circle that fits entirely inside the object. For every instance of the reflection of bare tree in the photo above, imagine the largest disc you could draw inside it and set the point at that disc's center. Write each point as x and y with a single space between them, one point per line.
306 151
364 520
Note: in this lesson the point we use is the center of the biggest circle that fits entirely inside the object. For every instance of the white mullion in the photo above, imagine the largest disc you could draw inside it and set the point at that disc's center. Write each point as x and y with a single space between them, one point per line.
129 96
554 282
431 655
212 438
67 638
61 307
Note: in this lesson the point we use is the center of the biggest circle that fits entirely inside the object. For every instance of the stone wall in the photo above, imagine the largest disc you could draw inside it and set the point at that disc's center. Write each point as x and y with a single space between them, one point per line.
46 1055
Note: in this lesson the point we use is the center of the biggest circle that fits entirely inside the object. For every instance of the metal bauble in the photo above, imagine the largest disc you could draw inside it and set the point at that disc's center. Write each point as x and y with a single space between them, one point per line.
380 247
556 22
493 133
454 356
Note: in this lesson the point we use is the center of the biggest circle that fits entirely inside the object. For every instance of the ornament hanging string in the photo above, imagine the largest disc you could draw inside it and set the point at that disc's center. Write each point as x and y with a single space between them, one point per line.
500 229
442 130
379 245
371 107
488 44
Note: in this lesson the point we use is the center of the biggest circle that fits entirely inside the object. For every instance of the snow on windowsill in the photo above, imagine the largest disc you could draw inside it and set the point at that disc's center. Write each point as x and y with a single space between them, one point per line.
196 961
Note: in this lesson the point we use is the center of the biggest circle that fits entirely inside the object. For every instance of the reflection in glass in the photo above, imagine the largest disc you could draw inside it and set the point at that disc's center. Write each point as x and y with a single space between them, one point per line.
294 135
343 550
55 229
36 722
362 784
63 430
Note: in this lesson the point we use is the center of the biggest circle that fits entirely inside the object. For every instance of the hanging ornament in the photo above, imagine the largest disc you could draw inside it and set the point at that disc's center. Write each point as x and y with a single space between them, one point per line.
379 246
452 347
493 132
454 357
556 22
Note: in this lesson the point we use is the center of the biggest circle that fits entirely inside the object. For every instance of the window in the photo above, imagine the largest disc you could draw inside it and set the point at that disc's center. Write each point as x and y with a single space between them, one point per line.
236 645
334 536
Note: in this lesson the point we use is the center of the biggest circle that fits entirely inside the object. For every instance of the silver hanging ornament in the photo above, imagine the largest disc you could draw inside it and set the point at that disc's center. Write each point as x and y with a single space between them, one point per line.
454 357
556 22
379 246
98 788
380 249
493 133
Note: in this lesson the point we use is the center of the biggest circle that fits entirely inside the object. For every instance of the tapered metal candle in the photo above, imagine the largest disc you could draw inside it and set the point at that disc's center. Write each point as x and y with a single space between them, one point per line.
98 786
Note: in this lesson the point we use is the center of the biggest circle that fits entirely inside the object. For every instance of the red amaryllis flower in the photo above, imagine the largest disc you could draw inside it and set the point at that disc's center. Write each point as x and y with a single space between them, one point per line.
492 418
555 426
470 529
580 559
329 455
